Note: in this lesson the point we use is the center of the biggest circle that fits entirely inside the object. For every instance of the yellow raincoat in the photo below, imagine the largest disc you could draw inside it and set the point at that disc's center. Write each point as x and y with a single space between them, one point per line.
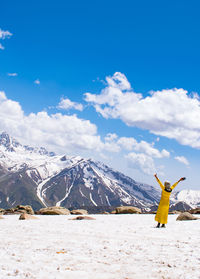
163 207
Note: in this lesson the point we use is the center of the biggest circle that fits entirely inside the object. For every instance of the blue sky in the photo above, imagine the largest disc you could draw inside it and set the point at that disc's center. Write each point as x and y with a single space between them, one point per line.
116 81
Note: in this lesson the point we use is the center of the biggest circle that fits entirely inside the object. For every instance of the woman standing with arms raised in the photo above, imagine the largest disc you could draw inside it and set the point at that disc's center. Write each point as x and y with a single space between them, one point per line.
163 207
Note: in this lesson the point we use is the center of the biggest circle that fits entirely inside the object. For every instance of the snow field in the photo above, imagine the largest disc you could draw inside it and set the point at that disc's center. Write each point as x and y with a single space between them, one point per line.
110 247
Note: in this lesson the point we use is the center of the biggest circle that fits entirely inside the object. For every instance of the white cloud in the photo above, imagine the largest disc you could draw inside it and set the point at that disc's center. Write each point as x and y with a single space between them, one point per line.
65 133
170 113
111 147
110 143
148 149
142 162
2 96
146 152
67 104
72 135
9 110
2 47
37 81
127 143
111 137
130 143
4 35
118 80
182 159
12 74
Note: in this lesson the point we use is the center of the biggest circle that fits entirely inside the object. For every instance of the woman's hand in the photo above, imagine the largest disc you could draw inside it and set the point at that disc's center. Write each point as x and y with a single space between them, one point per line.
182 178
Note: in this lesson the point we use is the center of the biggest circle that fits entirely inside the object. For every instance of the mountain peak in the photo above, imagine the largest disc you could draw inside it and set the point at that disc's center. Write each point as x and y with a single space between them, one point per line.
8 142
12 145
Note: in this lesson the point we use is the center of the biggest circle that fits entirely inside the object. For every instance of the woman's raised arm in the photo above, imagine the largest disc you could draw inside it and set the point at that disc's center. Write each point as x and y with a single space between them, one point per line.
175 184
159 182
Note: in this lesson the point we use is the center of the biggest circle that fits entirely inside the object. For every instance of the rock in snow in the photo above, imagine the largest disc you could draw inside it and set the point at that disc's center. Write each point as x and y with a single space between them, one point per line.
195 210
79 212
83 218
127 210
19 209
25 216
54 210
185 216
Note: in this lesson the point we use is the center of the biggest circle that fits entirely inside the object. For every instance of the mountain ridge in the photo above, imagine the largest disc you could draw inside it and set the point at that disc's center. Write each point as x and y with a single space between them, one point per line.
40 178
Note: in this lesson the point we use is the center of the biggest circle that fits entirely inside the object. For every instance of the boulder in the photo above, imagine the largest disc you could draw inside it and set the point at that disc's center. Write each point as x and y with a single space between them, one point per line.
83 218
128 210
185 216
25 216
79 212
195 210
26 208
10 211
19 209
54 210
1 217
2 211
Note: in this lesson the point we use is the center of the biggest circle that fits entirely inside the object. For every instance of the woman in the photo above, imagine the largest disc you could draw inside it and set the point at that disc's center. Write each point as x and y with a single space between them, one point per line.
163 207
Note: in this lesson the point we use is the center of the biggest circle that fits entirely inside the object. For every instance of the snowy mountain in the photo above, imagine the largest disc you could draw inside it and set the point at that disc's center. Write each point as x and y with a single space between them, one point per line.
34 176
40 178
191 197
8 143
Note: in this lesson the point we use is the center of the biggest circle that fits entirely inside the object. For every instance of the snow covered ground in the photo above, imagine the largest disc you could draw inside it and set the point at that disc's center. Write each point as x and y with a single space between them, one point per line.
110 247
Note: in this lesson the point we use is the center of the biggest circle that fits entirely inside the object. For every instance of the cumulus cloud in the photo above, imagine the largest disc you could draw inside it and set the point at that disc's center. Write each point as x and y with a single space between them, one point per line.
182 160
114 143
170 113
118 80
57 131
111 146
2 47
127 143
142 162
130 143
67 104
148 149
111 137
144 153
37 81
70 134
12 74
4 35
